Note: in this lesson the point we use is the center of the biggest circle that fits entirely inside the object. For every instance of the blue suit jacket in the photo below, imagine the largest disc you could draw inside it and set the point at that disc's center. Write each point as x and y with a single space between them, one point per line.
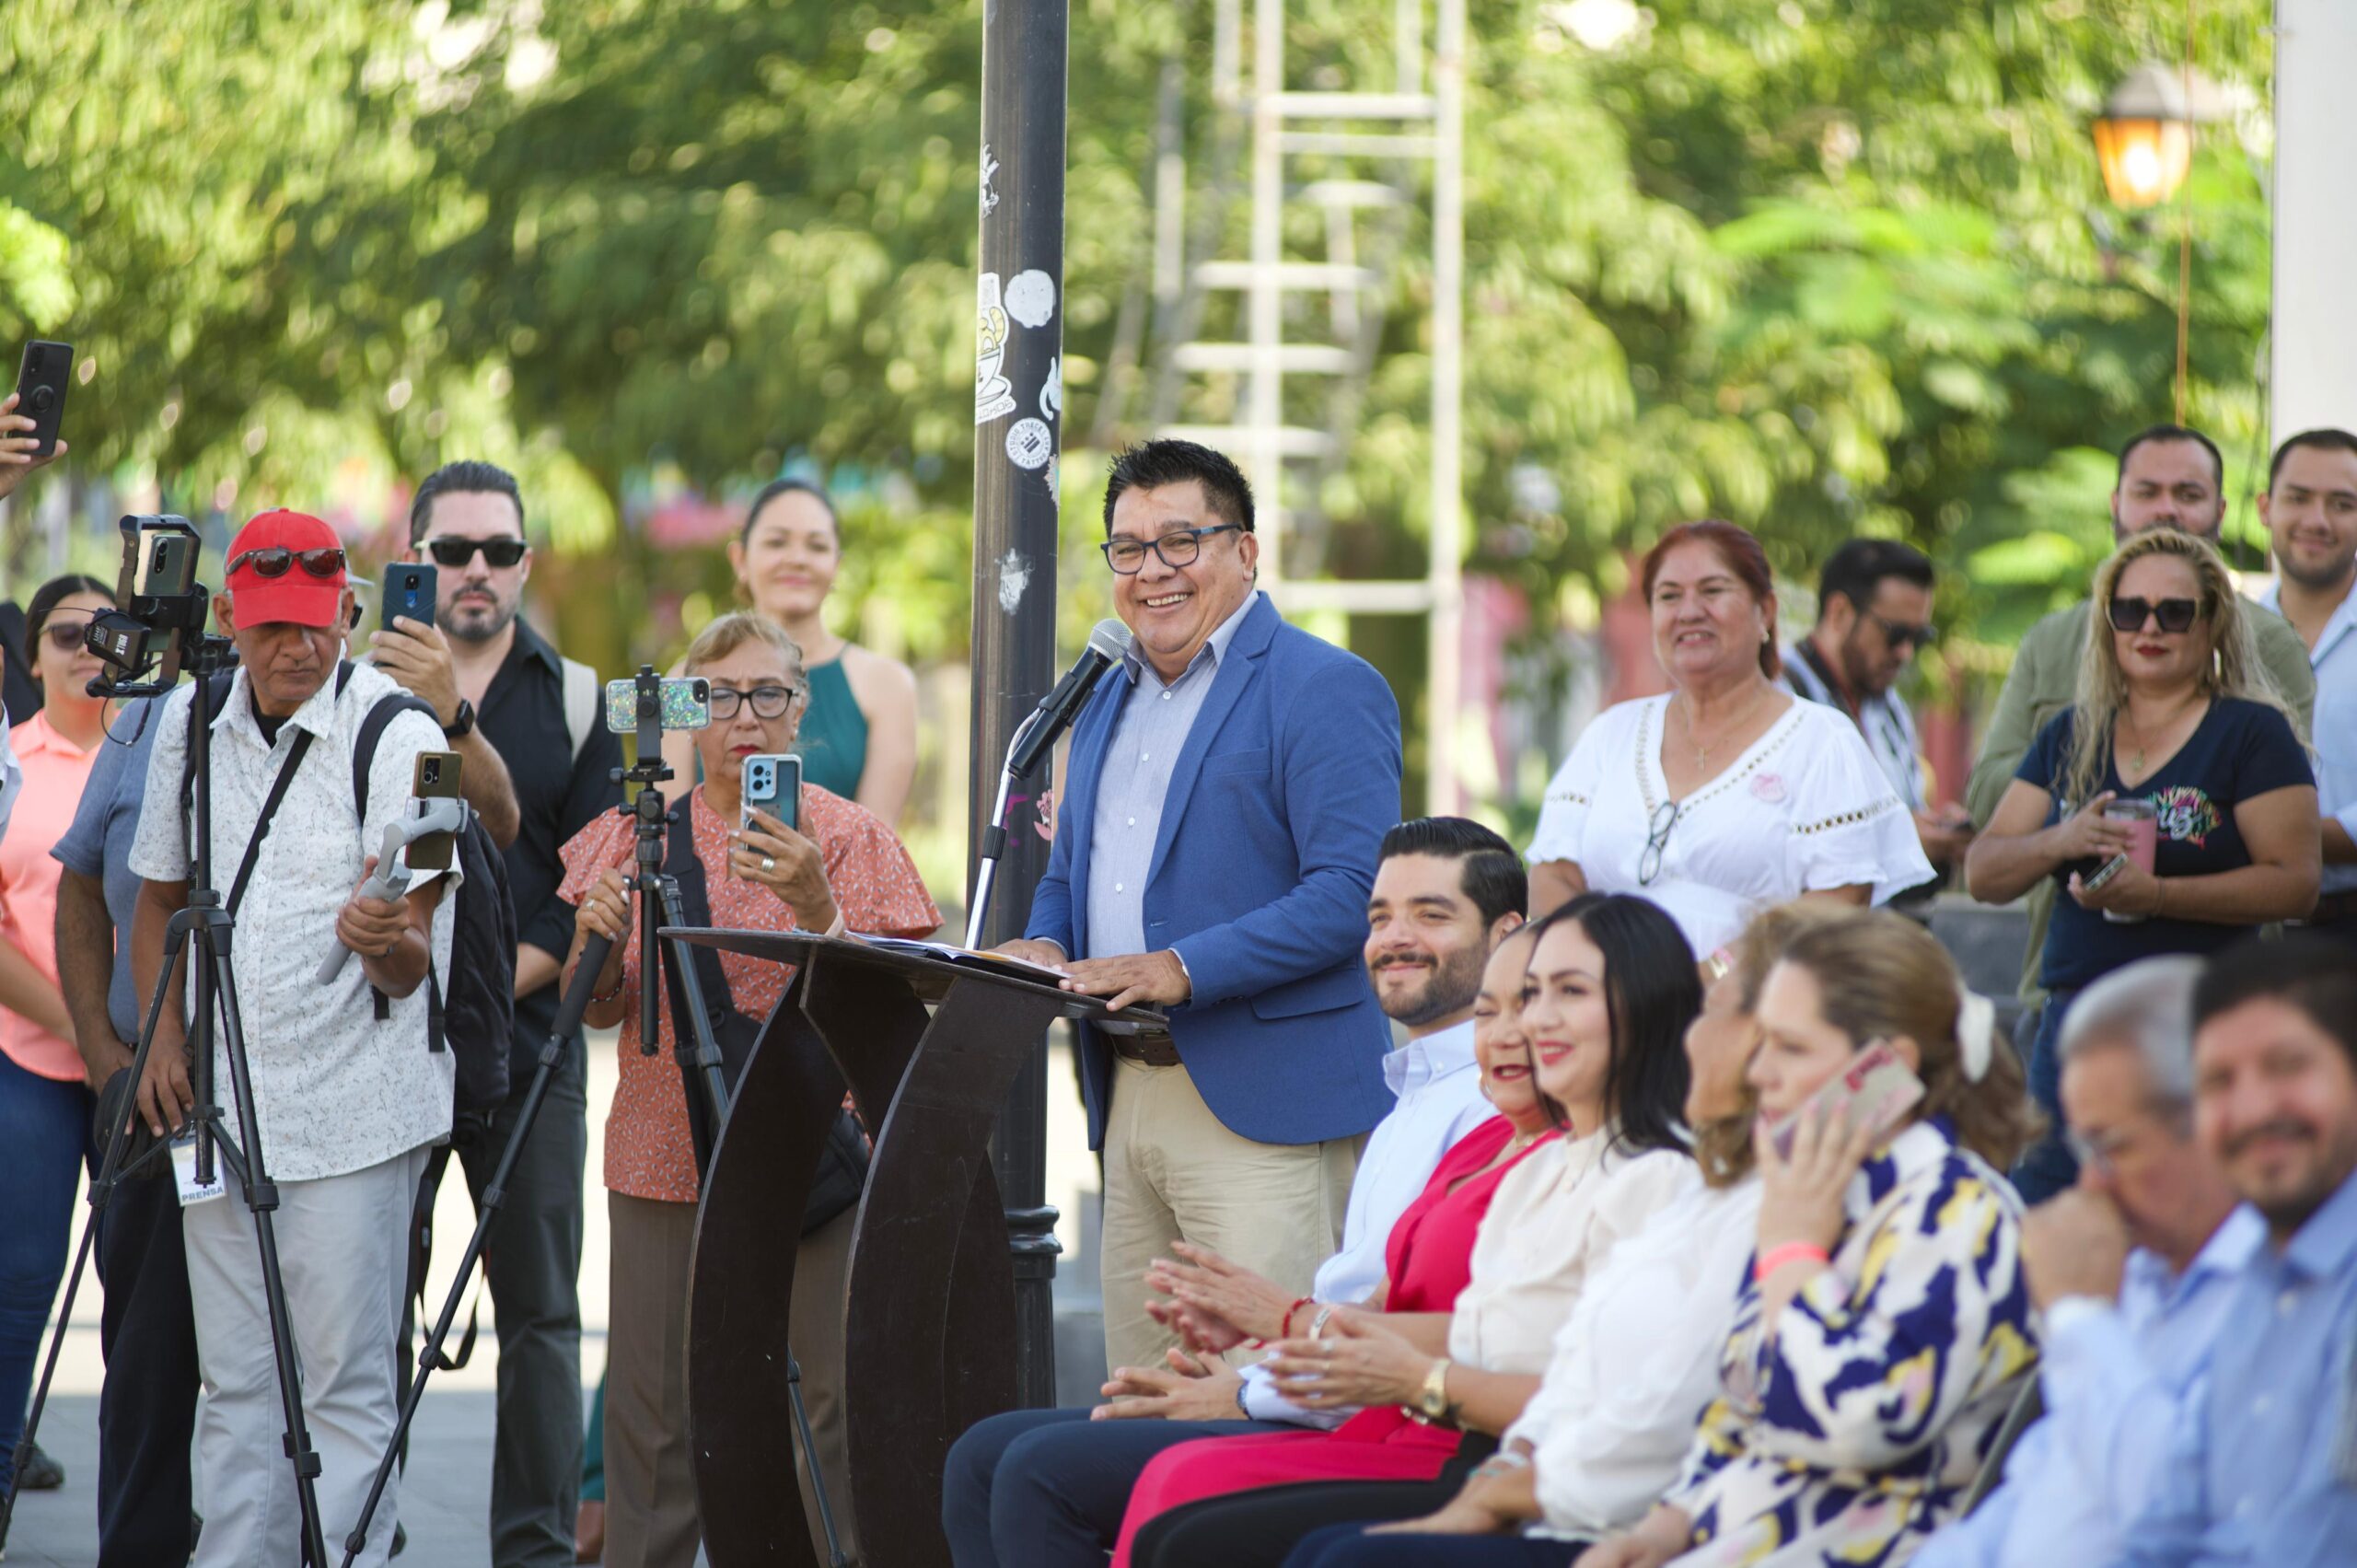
1277 808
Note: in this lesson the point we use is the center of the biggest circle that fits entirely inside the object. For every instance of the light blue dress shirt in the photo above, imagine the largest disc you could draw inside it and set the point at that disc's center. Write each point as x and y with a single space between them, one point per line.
1439 1086
2334 658
1154 721
2262 1471
2113 1379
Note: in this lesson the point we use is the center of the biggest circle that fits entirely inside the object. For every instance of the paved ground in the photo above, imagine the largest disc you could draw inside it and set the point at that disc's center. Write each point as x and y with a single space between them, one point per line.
448 1492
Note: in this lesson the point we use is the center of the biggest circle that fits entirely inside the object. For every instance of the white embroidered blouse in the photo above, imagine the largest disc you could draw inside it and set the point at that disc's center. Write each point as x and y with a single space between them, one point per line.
1804 808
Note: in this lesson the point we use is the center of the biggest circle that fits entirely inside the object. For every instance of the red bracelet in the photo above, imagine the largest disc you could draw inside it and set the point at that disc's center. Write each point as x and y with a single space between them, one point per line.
1776 1258
1285 1329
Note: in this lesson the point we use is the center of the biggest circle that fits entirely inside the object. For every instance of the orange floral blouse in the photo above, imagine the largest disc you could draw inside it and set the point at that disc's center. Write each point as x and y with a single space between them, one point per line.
648 1151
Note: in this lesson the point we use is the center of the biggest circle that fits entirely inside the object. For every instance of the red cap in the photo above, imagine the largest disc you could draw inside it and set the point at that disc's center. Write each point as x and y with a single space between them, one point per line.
296 596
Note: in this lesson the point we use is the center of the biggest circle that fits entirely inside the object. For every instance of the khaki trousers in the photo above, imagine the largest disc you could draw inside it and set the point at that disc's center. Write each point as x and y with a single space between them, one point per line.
650 1475
1173 1172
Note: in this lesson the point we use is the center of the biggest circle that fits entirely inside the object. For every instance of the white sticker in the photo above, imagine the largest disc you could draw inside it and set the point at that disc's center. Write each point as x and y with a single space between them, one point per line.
1028 445
1031 297
1051 391
193 1191
990 168
1056 481
993 395
1014 577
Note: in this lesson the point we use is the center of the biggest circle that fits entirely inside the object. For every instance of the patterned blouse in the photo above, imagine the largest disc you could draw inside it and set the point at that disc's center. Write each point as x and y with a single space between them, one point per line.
1854 1431
648 1151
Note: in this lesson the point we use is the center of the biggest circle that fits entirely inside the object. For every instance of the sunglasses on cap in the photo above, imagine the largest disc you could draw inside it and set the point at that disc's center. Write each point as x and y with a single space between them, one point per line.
276 561
456 553
2174 614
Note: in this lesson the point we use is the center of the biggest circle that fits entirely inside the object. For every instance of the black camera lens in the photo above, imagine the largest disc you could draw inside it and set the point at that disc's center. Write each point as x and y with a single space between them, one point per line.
433 769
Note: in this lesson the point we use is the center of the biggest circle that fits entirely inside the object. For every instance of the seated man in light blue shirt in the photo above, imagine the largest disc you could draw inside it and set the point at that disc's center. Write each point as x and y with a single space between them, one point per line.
2262 1471
2132 1269
1044 1489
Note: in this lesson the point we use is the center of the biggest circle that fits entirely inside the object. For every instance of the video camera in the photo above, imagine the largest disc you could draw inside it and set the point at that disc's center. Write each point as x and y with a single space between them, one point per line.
160 625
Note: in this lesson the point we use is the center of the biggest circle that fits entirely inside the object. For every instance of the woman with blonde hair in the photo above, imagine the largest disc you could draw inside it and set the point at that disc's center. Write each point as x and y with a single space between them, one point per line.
1884 1327
2173 800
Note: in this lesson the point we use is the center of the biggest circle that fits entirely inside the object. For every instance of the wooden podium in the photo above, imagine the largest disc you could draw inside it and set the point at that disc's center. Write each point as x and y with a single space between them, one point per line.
929 1050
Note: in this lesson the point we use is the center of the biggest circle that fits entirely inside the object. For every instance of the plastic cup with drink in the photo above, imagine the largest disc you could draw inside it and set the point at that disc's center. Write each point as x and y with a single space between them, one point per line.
2143 823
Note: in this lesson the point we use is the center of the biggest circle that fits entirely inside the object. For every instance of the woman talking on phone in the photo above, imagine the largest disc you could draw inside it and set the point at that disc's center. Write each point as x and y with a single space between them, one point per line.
835 867
2173 799
1884 1329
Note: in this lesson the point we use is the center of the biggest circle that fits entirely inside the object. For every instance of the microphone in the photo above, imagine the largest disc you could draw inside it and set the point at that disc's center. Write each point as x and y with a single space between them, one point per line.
1107 645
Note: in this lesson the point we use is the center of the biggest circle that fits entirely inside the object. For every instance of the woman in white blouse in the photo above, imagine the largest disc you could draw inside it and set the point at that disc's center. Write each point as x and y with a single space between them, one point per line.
1609 993
1885 1328
1728 794
1639 1355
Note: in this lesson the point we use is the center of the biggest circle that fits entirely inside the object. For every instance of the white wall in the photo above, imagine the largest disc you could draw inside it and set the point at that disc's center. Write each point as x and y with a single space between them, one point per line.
2313 345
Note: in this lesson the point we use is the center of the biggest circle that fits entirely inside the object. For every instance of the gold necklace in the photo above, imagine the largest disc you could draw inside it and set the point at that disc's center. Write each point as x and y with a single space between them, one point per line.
2136 733
1703 753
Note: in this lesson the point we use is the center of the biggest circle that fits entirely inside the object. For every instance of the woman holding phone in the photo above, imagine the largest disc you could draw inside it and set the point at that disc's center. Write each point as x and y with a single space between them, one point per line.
1884 1329
2173 800
838 867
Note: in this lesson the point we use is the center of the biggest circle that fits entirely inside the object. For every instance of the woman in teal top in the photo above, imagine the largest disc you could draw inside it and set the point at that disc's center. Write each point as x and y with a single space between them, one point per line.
859 734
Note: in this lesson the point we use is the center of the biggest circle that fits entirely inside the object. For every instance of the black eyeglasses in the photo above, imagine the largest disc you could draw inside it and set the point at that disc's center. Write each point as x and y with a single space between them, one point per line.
456 553
66 636
276 561
1657 839
2174 614
1899 634
1179 547
769 701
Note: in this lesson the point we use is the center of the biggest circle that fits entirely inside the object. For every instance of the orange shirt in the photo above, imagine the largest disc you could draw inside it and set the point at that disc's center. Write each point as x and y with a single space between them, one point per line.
55 769
648 1151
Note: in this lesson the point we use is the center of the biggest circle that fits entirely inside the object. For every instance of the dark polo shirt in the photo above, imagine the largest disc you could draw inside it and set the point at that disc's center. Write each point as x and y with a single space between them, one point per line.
557 794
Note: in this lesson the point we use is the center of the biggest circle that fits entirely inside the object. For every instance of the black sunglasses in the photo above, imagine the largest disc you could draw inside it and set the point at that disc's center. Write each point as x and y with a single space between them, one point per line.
2174 614
1900 635
275 560
456 553
65 636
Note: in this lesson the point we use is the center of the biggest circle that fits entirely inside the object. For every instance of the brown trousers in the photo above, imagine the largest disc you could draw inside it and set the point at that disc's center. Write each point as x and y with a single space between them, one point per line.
650 1476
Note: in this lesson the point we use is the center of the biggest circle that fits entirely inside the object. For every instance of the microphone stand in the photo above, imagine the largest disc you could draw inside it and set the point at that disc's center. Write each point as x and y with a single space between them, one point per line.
994 836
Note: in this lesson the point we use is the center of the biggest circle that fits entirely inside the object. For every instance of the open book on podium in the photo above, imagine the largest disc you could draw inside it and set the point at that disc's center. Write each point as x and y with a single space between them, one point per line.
993 963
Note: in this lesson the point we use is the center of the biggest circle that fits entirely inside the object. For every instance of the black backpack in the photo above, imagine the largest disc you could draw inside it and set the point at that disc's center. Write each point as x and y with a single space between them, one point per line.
473 1015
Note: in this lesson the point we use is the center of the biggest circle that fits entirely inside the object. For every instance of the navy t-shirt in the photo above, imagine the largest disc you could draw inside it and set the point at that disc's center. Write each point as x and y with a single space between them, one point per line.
2240 750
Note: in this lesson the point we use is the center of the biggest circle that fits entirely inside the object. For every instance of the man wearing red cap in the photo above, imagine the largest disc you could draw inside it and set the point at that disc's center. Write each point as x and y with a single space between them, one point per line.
347 1102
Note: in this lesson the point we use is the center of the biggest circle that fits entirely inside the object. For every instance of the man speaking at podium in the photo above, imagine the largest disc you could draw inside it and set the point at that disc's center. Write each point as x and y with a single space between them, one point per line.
1228 790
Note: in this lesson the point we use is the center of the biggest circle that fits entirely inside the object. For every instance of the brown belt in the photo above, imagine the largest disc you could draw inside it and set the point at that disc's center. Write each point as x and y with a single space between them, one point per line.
1152 1049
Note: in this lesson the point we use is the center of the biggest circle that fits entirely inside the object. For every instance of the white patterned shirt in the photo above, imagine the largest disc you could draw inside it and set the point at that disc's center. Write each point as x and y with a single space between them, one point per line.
1804 808
335 1090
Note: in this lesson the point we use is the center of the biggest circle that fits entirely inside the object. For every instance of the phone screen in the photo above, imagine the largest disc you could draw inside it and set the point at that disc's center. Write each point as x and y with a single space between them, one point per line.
1875 1090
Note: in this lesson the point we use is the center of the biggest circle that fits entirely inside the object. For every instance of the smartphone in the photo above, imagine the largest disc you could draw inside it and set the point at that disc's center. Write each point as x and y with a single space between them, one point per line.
1874 1091
773 784
436 779
41 382
410 589
2103 873
687 704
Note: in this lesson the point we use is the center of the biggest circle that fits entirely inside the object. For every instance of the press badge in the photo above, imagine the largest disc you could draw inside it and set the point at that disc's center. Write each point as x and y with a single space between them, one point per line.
193 1191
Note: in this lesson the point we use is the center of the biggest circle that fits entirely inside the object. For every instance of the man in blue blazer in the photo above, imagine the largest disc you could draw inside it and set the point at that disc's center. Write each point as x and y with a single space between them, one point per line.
1228 794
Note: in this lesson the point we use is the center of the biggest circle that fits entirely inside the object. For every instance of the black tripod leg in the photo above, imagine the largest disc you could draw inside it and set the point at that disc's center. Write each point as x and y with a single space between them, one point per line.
111 1174
567 1026
261 1200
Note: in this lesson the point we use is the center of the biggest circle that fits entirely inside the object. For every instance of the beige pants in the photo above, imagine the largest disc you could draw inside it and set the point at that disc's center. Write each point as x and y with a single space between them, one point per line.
1173 1172
650 1474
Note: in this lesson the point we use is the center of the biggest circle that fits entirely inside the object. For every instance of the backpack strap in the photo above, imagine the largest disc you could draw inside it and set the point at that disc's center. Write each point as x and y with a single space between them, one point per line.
363 759
580 703
421 1257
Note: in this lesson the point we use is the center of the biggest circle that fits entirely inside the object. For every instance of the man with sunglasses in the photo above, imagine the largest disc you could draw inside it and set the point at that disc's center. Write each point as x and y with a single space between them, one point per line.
1873 613
348 1100
502 680
2170 477
1230 785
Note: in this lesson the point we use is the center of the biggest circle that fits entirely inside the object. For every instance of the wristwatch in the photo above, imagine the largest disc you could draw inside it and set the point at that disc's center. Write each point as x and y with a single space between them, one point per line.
1432 1400
462 725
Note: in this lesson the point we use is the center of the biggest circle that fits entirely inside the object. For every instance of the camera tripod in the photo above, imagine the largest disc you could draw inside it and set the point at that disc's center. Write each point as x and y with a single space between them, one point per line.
700 1061
206 928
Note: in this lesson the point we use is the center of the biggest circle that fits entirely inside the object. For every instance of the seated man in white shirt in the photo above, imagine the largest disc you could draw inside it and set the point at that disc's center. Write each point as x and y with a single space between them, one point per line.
1446 891
2134 1268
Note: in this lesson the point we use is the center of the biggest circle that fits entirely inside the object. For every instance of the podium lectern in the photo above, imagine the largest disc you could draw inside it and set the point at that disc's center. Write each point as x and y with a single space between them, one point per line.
930 1050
